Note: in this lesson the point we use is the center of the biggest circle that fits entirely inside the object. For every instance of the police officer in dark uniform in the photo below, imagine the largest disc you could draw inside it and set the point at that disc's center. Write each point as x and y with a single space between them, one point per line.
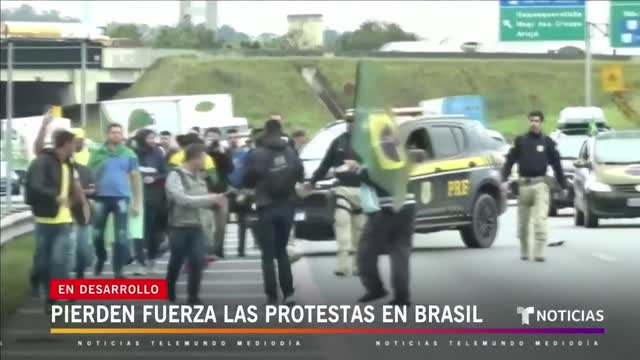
533 152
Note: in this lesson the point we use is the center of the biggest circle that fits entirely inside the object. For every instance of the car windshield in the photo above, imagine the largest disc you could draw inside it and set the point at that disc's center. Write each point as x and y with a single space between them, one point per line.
617 150
569 146
318 146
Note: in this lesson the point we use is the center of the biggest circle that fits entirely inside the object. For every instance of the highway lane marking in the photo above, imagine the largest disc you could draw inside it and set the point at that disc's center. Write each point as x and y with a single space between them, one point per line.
221 261
206 271
604 257
224 283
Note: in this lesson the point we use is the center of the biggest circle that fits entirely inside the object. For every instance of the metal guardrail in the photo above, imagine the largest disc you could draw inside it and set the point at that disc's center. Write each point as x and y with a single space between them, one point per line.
15 225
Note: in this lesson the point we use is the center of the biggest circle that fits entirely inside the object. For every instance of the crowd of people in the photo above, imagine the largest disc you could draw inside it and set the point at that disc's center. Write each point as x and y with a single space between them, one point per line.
162 192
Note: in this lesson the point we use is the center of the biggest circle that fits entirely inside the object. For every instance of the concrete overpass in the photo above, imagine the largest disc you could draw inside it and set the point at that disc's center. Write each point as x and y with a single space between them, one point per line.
46 74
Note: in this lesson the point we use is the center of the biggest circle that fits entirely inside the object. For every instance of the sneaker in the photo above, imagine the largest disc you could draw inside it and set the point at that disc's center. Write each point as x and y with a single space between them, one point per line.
524 258
540 259
140 270
340 273
372 296
288 300
119 275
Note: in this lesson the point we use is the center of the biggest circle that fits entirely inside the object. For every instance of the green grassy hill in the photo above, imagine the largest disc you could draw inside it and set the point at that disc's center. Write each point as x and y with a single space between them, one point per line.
261 86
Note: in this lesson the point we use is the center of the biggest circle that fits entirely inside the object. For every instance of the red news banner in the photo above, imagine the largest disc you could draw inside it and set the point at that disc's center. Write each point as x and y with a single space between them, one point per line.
108 289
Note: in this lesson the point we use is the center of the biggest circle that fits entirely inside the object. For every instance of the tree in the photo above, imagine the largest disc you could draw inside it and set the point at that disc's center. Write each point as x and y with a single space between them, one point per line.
250 45
186 36
124 31
229 35
373 34
26 13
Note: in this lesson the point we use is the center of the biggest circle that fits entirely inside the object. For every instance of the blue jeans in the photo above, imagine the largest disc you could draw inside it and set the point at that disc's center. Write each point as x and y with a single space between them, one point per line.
119 207
273 228
186 242
82 257
51 255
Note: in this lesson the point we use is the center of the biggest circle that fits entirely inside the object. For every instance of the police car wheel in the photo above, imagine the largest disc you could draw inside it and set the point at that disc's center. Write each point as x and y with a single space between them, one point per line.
484 223
578 217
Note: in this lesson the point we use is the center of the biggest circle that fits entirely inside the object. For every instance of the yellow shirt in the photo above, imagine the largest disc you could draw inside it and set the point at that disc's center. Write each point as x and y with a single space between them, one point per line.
82 157
64 213
178 158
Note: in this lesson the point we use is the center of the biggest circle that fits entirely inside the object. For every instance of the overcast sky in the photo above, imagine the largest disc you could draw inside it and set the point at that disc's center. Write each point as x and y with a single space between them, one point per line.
431 19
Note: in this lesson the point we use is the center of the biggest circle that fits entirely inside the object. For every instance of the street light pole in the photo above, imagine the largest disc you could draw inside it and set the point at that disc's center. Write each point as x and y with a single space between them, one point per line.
83 84
588 63
8 136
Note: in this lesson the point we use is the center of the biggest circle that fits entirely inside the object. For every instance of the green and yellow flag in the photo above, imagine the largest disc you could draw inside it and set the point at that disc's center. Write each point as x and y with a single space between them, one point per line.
375 134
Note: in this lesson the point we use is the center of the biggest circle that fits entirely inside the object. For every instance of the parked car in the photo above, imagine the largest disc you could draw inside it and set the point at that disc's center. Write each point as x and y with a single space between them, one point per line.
607 182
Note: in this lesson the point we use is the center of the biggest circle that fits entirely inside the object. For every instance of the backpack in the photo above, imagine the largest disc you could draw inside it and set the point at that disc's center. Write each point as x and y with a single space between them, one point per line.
280 175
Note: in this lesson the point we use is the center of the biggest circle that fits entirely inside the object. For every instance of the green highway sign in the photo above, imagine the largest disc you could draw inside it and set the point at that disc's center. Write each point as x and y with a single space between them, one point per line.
542 20
624 25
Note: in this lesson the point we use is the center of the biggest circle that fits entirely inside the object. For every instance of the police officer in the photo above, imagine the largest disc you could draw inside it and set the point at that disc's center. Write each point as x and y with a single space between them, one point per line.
348 216
533 152
273 170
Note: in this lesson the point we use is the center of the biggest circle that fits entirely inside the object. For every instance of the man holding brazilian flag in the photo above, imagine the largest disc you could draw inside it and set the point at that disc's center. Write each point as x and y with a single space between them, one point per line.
385 174
118 192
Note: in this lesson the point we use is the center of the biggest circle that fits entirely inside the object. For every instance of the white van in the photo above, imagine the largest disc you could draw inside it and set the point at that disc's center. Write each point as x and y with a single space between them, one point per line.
176 114
581 116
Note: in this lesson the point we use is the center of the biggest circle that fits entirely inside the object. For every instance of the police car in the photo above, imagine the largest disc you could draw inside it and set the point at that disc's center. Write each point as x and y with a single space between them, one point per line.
455 179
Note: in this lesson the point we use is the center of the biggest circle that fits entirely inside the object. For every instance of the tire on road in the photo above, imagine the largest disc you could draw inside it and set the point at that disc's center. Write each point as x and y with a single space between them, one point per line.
553 211
483 229
578 217
590 220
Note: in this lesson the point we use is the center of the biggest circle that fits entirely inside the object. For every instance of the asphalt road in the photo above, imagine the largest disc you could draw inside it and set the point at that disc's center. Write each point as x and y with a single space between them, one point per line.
594 269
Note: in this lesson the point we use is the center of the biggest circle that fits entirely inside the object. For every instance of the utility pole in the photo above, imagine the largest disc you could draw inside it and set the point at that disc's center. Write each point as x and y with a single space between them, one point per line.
588 63
83 84
8 144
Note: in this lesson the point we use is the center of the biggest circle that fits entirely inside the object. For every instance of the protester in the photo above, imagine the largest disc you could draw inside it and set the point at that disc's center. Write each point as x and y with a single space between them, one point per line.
82 226
50 191
300 139
166 144
153 170
118 192
273 169
386 230
211 135
224 167
211 178
240 201
188 194
348 215
534 153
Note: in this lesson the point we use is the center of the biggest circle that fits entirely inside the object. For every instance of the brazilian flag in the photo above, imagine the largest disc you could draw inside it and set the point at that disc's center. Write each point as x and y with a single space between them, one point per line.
375 134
